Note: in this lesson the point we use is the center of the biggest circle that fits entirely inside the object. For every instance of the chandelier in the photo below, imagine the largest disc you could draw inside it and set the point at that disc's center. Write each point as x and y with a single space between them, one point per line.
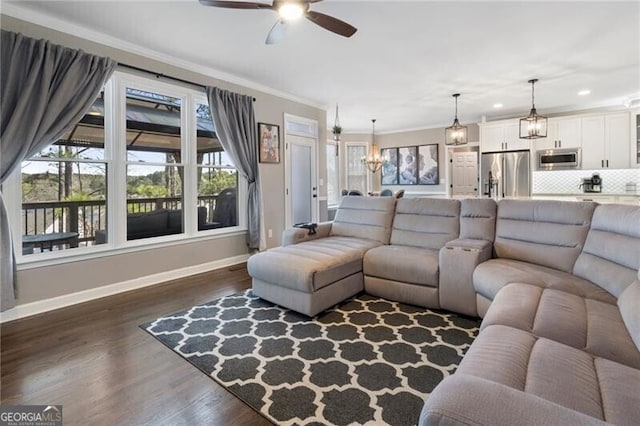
373 161
533 126
456 134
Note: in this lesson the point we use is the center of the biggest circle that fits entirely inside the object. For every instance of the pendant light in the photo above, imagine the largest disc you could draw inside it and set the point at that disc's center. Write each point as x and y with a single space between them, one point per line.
533 126
455 134
336 129
373 161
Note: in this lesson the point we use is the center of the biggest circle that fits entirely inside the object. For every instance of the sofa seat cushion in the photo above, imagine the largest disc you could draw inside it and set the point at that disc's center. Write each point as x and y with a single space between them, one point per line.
593 326
402 263
310 265
567 376
491 276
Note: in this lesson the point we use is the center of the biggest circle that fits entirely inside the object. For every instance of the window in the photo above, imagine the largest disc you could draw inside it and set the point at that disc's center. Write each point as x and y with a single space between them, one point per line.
144 163
356 171
333 174
64 188
216 176
155 172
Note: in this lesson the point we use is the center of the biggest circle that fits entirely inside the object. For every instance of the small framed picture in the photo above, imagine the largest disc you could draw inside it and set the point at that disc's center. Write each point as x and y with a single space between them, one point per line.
269 142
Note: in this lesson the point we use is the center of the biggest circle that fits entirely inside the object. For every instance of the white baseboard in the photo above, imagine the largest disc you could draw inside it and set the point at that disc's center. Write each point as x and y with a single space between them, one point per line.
41 306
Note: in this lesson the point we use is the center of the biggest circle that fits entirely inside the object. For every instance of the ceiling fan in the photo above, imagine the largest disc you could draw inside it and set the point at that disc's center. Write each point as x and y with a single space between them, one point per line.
289 10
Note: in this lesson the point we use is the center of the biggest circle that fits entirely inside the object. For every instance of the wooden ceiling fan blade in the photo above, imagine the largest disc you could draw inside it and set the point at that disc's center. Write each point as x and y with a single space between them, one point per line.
277 33
236 4
332 24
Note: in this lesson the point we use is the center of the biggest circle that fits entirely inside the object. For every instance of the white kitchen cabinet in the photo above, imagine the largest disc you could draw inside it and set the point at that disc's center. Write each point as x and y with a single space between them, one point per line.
593 136
616 148
492 138
562 132
605 141
503 136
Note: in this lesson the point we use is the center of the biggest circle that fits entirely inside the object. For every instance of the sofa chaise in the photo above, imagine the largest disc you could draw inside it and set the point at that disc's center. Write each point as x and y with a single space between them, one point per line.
556 283
311 273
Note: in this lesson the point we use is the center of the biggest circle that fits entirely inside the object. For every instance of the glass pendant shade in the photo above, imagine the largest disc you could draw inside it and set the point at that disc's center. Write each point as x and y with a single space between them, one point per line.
533 126
373 160
336 129
456 134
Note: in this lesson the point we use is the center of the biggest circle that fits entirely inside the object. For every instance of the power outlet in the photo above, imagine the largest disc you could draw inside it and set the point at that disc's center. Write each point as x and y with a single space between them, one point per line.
270 233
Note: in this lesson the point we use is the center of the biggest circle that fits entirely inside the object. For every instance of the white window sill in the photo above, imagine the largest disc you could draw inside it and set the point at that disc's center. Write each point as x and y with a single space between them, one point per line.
80 254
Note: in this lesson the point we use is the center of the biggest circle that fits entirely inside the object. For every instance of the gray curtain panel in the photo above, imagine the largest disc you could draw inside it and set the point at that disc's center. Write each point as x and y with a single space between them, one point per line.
46 89
235 124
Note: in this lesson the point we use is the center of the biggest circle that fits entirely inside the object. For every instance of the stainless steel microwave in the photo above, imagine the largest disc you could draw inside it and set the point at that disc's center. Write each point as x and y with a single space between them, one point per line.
559 159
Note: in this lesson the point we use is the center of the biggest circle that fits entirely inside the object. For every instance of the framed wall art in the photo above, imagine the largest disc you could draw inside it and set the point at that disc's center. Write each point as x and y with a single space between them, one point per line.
428 173
389 171
408 165
269 143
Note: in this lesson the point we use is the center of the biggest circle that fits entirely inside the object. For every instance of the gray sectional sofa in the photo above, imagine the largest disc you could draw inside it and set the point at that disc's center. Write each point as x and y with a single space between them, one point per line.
556 283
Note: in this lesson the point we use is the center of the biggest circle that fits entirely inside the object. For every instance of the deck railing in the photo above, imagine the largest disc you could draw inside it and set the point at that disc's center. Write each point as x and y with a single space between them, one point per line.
86 217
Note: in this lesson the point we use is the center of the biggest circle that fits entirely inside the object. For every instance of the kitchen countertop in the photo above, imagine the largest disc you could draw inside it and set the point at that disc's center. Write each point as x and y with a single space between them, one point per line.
587 194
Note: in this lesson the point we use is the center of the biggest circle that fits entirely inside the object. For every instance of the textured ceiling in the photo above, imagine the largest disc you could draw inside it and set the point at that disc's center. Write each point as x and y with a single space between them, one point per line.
406 59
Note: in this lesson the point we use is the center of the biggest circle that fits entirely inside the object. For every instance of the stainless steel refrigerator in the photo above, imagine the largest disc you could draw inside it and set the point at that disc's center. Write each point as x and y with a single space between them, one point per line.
506 174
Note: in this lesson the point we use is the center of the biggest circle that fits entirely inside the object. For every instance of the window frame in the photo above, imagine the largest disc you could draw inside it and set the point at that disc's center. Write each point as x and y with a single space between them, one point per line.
345 165
338 163
115 157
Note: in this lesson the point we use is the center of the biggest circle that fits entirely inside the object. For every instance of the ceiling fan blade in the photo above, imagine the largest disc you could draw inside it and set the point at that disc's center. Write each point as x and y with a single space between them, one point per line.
236 4
277 33
332 24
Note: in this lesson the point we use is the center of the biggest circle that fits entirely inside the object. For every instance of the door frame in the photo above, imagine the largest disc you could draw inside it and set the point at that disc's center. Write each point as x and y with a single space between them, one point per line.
449 168
306 128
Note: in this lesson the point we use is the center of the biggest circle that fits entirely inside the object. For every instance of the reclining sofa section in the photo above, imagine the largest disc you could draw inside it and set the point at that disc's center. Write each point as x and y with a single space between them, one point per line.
560 339
407 269
323 269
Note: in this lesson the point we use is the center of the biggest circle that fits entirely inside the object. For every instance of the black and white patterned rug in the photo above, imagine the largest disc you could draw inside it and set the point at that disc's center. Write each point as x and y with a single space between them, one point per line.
365 361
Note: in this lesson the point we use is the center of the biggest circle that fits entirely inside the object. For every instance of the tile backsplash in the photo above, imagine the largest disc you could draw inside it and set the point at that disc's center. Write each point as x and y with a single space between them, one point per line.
567 181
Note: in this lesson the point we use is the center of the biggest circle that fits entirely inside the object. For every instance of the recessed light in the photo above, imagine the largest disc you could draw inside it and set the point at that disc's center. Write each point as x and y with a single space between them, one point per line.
584 92
498 105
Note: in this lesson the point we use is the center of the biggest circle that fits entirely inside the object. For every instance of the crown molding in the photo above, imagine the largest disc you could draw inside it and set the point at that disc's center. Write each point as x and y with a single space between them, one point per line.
17 11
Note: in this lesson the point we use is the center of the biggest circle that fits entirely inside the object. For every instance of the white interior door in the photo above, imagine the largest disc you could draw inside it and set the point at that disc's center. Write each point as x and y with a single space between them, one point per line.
301 191
465 174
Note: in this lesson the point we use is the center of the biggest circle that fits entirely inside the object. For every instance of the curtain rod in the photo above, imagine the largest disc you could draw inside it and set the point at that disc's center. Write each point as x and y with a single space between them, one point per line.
160 75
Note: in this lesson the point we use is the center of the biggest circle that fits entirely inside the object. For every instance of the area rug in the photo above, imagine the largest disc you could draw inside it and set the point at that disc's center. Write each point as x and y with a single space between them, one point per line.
365 361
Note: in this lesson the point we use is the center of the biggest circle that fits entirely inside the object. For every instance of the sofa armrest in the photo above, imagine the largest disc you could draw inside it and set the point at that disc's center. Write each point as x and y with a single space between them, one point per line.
468 400
458 259
300 235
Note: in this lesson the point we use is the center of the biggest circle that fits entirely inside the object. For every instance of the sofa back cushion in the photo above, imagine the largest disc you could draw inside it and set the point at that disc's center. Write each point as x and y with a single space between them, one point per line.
628 302
364 217
547 233
611 254
478 219
426 222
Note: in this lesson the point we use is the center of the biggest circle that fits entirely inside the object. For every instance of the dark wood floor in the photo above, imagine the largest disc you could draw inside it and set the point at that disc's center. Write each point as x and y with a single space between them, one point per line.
95 361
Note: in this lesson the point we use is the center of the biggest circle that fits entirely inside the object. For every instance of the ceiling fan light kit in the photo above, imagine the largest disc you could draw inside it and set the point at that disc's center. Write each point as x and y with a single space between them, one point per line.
289 10
456 134
533 126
